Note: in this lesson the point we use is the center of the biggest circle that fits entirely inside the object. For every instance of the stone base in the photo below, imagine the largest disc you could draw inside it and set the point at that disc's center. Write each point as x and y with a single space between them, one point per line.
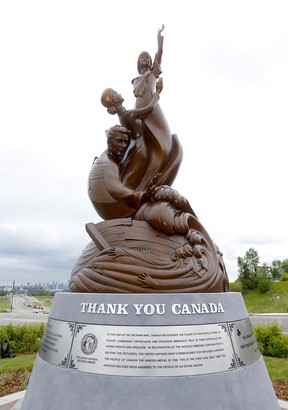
136 352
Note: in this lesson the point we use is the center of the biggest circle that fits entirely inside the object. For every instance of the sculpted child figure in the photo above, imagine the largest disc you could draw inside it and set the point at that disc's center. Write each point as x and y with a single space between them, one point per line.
135 161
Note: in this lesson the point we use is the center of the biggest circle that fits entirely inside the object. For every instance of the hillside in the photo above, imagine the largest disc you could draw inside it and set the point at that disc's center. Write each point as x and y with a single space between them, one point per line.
275 300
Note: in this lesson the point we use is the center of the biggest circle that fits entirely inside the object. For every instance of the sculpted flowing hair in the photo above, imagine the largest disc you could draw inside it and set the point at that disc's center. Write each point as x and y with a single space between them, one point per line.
138 61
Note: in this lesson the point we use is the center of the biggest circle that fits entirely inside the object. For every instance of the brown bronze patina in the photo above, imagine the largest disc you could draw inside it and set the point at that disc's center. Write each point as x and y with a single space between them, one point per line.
151 240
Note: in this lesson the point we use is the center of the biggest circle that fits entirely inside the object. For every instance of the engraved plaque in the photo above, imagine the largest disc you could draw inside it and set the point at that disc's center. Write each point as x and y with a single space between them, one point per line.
150 351
56 343
244 342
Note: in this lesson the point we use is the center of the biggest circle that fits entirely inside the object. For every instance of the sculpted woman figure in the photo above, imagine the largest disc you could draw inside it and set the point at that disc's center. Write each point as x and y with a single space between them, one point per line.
165 149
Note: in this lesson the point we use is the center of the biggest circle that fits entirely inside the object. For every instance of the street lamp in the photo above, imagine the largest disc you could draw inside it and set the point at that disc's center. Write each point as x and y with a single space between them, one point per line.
12 296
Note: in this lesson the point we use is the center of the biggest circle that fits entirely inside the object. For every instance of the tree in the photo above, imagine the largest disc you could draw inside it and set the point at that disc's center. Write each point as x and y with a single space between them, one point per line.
247 268
285 266
263 271
277 269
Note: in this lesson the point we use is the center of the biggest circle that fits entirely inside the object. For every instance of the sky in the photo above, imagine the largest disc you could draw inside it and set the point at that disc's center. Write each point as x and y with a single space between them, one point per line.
225 66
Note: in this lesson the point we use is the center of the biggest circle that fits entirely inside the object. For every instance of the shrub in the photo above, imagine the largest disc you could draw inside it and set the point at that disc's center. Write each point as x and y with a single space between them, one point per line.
22 339
235 286
263 284
284 277
271 340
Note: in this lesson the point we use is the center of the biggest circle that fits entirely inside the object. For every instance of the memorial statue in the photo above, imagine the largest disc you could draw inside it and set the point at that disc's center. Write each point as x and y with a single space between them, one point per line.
151 240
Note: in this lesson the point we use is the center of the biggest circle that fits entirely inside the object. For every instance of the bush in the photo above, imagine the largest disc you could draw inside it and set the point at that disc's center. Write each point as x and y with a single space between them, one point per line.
235 286
264 284
284 277
271 341
23 339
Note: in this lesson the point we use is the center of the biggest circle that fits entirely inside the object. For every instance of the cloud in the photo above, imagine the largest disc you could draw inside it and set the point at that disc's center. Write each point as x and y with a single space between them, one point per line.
225 95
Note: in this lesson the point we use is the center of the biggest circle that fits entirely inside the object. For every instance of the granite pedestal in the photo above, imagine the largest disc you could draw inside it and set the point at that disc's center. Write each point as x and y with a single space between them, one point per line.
152 351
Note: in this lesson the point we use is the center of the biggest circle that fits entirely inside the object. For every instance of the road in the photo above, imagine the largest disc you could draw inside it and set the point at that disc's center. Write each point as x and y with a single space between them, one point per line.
23 311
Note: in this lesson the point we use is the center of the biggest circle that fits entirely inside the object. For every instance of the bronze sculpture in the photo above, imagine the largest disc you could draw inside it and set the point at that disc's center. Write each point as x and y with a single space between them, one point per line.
151 240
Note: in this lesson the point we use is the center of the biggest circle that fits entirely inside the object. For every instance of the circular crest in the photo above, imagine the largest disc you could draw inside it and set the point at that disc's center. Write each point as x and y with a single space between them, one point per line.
89 343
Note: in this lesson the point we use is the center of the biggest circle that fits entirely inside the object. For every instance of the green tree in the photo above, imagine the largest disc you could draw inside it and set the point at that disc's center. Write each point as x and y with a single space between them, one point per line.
276 269
247 269
262 271
285 266
263 281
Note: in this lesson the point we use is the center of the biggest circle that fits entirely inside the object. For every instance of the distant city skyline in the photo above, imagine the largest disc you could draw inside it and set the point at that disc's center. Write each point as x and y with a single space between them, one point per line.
54 285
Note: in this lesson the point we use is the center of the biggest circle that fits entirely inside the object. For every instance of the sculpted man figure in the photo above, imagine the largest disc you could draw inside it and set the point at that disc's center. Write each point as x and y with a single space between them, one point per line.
130 266
112 198
109 196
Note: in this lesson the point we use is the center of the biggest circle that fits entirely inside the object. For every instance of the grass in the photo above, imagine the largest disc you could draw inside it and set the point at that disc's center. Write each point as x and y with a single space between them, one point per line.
274 301
21 362
5 304
42 302
45 300
277 368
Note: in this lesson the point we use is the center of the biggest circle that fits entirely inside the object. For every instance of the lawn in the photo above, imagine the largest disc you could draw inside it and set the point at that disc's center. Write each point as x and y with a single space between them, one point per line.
21 362
45 300
274 301
277 368
5 304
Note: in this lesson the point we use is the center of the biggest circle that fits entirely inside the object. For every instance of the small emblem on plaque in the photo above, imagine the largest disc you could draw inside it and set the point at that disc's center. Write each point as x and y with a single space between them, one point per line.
89 343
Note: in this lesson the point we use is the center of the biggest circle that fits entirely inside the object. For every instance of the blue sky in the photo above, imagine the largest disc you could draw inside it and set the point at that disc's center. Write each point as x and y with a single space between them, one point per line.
225 68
